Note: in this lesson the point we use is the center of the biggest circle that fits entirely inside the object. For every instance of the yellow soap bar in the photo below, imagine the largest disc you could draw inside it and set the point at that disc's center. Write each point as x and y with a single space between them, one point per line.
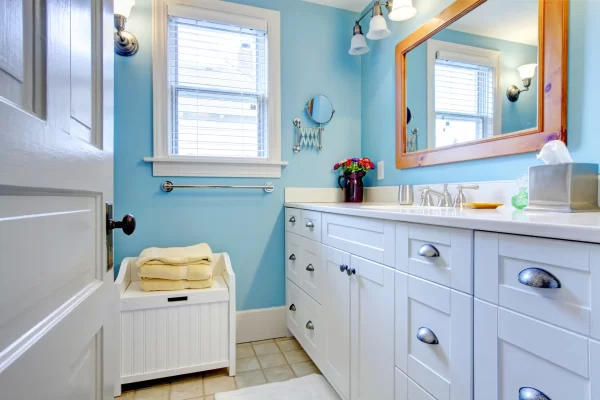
486 206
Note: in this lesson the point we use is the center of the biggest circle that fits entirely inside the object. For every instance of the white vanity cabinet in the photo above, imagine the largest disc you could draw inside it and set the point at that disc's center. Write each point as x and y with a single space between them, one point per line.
347 301
401 310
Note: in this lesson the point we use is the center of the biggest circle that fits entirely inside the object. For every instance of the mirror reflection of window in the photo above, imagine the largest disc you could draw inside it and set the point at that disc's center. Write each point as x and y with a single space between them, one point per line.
465 88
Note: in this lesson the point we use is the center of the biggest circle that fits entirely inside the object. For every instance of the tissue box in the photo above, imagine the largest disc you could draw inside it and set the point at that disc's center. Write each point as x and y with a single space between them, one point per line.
563 188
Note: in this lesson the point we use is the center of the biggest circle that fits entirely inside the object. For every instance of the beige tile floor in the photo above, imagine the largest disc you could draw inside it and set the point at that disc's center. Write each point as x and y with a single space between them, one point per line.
257 363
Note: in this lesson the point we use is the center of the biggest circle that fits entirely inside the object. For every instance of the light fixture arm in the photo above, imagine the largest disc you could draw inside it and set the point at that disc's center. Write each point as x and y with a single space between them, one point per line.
513 92
388 4
125 43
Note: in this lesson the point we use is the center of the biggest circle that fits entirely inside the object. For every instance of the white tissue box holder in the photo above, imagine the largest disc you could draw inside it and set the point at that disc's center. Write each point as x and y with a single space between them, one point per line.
568 188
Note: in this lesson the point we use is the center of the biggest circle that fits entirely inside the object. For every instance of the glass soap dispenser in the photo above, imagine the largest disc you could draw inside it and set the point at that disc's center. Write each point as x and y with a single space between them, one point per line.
521 199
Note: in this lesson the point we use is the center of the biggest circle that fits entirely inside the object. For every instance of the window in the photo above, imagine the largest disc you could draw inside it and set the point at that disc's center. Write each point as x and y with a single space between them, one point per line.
463 84
217 104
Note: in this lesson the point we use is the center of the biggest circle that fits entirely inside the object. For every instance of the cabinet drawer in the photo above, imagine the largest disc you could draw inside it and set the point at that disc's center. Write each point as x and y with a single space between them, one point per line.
514 351
407 389
434 337
304 265
312 328
501 259
441 255
293 220
303 222
372 239
294 307
293 258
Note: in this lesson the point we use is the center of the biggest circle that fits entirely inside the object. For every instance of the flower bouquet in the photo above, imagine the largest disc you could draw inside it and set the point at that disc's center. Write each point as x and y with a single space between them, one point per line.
354 169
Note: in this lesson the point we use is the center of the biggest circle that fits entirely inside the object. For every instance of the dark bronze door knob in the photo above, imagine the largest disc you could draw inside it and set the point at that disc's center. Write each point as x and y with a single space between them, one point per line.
127 224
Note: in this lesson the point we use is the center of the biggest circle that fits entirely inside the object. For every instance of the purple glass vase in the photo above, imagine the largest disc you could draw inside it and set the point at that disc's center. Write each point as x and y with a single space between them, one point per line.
352 186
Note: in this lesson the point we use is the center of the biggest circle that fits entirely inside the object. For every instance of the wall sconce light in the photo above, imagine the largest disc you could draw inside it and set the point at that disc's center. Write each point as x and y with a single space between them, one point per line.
125 43
399 10
527 73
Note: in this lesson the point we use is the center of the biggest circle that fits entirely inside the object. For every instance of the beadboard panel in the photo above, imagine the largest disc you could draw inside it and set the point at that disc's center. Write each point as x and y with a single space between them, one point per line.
159 339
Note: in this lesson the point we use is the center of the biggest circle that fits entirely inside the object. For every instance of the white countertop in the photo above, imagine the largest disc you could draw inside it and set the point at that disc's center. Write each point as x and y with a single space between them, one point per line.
584 227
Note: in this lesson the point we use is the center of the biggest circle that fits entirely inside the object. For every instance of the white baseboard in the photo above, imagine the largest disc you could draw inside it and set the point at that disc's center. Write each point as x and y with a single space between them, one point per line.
261 324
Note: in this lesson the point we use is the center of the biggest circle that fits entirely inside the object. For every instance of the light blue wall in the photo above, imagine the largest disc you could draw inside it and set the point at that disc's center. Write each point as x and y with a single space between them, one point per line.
516 116
249 224
378 88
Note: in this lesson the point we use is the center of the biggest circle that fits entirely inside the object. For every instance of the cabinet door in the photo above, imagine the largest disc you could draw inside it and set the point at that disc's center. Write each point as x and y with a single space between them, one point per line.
312 329
372 330
336 310
434 332
514 351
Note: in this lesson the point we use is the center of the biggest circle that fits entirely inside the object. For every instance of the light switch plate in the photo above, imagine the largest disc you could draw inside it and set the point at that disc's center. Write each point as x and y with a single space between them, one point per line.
380 170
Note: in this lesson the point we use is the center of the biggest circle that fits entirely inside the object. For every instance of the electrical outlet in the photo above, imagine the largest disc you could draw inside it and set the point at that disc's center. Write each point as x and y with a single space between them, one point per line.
380 170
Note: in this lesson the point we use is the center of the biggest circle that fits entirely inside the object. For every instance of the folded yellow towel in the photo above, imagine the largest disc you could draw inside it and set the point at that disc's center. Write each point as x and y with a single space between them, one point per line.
151 285
176 255
192 272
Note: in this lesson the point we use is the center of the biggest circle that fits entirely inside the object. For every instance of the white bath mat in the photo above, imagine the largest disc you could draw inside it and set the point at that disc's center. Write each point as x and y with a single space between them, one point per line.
311 387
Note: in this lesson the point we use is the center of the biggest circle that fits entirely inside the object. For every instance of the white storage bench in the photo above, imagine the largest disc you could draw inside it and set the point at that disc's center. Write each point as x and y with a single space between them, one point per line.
178 332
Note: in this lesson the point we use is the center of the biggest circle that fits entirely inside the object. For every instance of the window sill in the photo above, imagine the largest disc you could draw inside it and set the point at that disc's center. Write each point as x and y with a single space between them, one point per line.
218 167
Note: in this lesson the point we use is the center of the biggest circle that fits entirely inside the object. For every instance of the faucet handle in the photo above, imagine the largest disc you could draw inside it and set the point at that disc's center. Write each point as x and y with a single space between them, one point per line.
460 197
426 199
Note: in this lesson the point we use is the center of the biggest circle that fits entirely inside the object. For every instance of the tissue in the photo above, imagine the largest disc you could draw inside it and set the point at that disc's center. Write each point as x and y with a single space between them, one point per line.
555 152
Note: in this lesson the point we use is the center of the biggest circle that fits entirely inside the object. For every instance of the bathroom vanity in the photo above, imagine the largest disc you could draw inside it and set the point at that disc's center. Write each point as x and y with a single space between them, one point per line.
418 303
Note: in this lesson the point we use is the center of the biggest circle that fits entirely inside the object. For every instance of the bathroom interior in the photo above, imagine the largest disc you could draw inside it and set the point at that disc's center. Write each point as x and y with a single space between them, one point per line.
305 199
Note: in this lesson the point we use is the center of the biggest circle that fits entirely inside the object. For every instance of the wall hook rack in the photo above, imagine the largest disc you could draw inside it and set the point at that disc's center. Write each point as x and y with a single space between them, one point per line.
307 136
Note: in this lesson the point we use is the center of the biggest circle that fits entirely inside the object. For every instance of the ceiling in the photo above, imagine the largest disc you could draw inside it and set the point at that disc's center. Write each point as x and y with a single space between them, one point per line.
514 20
352 5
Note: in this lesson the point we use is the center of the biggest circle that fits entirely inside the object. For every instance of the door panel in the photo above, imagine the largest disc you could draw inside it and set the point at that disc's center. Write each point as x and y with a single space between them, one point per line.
372 337
58 304
337 319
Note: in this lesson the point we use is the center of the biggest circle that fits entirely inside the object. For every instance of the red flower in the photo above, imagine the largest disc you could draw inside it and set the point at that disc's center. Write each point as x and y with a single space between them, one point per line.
365 159
349 162
371 165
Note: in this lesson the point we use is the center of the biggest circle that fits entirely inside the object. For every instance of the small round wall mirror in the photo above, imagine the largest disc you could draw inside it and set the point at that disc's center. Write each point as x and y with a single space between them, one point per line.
320 109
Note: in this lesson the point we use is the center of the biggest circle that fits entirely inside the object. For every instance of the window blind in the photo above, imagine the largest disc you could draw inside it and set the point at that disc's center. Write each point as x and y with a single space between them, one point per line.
218 89
464 98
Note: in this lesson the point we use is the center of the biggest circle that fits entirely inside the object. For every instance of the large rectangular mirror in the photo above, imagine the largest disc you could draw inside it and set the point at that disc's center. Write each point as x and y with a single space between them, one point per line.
482 79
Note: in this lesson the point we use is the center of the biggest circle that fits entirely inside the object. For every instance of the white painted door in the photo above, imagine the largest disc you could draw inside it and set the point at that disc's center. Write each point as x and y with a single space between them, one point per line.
372 330
336 312
58 305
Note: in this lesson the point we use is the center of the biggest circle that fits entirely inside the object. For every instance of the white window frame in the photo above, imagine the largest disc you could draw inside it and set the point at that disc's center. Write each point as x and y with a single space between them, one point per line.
165 164
433 46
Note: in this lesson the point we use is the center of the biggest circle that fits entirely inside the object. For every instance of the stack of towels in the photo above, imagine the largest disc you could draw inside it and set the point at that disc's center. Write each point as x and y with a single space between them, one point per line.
176 268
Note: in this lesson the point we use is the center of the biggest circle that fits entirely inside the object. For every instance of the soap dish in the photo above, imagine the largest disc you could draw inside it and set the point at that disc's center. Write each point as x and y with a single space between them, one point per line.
483 206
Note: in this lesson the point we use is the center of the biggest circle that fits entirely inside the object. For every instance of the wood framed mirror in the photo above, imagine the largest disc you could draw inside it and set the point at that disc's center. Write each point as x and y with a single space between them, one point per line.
465 79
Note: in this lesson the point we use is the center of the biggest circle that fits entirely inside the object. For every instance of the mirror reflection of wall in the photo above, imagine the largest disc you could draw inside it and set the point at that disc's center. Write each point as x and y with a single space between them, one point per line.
320 109
458 79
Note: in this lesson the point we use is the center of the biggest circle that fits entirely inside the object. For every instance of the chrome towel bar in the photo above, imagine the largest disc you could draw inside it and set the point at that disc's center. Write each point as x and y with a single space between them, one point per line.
168 186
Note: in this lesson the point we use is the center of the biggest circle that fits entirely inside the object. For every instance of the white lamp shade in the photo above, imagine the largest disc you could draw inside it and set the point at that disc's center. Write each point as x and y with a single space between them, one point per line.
527 71
123 7
378 28
358 45
402 10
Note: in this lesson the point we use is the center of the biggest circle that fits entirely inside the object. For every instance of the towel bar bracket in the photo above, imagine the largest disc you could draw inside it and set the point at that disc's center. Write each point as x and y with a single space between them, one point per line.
168 186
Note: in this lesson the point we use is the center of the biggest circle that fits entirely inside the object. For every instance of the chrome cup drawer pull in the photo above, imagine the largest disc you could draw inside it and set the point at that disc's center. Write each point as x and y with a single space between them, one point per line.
292 257
293 307
529 393
292 219
310 225
429 251
427 336
310 268
309 325
538 278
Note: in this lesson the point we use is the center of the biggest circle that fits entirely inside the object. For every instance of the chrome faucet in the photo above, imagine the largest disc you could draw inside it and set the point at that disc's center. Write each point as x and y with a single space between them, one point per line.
460 197
444 198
